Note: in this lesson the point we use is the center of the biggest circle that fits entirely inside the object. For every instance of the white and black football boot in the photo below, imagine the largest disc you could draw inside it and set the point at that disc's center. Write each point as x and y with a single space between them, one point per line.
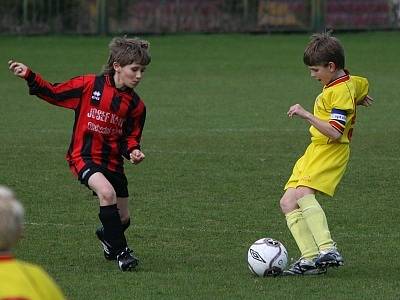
126 259
304 267
329 258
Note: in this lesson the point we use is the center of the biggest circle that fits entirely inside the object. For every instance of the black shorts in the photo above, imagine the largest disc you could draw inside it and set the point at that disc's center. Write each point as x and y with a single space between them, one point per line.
117 180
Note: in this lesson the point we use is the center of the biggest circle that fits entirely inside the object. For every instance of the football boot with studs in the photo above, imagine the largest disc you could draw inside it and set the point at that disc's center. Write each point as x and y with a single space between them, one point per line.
304 267
126 259
329 258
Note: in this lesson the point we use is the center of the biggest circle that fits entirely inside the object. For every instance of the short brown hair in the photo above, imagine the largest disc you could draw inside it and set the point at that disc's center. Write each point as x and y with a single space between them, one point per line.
322 49
126 51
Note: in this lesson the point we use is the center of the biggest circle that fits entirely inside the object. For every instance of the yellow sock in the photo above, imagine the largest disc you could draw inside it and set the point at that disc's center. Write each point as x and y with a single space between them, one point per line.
315 218
301 234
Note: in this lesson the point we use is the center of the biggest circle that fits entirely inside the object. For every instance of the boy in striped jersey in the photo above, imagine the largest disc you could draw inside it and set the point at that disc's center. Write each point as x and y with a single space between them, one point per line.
109 119
323 164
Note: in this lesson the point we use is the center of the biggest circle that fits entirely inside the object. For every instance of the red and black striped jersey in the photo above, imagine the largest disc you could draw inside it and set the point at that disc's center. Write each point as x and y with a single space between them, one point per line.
108 122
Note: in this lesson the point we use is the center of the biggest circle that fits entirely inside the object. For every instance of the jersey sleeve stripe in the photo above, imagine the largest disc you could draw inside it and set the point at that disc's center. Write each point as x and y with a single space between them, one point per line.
339 127
62 96
67 94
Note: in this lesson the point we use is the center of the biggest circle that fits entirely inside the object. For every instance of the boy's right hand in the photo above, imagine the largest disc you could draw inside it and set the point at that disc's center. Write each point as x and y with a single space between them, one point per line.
17 68
298 110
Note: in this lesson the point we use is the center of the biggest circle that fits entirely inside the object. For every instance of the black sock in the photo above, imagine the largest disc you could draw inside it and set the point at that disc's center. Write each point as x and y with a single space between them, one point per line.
113 228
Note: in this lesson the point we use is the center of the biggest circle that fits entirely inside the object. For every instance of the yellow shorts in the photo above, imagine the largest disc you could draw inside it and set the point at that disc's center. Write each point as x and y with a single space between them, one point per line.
321 167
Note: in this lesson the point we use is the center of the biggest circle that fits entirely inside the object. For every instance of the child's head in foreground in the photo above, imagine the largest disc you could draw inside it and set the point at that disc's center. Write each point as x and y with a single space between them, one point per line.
11 219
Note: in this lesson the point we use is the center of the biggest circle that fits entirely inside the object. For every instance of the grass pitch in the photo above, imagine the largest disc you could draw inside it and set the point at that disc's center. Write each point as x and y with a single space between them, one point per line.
219 149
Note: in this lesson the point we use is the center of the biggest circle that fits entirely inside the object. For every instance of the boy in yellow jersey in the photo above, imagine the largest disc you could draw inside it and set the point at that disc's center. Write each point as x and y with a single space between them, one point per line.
18 279
323 164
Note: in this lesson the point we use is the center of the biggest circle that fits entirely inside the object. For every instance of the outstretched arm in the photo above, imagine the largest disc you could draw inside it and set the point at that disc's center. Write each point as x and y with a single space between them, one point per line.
323 126
66 94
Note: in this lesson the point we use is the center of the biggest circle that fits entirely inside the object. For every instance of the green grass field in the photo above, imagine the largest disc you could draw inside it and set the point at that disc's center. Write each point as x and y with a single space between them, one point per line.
219 148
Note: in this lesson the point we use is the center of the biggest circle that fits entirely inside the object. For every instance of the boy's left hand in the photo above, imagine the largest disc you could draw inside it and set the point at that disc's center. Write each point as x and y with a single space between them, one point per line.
136 156
367 101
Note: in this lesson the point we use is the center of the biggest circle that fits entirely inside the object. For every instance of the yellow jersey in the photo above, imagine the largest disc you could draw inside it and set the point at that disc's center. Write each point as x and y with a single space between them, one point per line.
337 105
24 281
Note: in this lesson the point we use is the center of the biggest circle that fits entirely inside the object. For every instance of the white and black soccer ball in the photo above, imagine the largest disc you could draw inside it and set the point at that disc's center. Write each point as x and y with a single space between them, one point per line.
267 257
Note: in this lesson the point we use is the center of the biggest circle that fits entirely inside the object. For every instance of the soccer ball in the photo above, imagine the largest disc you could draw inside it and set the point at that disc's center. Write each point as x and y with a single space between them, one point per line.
267 257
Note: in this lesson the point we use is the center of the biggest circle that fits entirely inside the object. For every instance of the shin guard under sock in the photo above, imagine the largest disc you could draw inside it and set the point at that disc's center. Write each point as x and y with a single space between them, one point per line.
113 228
316 221
301 234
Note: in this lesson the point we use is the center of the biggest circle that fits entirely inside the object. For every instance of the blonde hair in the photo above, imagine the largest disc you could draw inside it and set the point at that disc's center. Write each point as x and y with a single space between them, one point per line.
11 219
126 51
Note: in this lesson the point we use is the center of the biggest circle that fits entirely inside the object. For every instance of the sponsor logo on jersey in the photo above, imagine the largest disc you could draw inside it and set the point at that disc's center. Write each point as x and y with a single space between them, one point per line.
96 96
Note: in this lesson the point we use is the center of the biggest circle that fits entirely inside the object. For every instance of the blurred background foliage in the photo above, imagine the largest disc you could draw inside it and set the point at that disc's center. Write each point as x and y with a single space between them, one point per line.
177 16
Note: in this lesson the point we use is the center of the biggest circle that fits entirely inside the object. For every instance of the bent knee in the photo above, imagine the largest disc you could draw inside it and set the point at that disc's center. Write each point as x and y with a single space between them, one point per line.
107 195
288 204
